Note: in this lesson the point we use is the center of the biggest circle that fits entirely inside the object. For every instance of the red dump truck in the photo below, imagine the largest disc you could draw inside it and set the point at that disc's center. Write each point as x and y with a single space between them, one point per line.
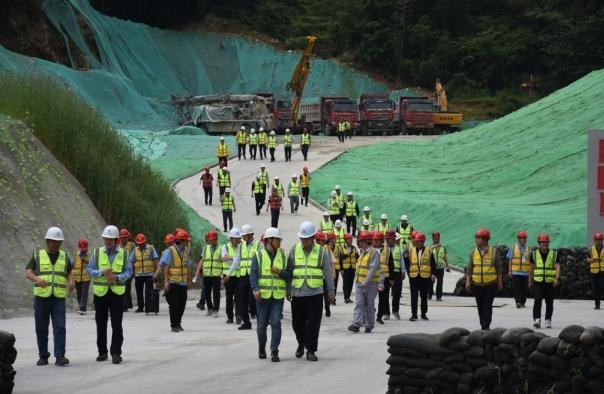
376 113
416 115
281 108
328 112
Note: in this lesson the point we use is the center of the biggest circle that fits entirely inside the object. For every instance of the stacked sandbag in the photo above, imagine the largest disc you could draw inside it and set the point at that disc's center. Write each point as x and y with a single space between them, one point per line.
8 355
516 360
575 276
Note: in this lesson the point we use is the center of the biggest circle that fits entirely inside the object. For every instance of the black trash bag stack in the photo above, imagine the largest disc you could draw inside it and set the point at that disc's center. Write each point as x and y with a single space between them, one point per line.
8 355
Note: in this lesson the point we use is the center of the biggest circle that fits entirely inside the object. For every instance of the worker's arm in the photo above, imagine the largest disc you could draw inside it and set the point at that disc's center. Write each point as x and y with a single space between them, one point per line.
374 269
391 272
289 269
164 265
126 273
469 269
446 260
284 274
160 267
499 268
199 267
328 274
558 270
29 273
532 267
234 206
357 210
254 269
509 256
235 264
224 254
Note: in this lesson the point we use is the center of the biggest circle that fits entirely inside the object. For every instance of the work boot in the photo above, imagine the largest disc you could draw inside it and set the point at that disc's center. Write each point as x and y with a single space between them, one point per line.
396 316
424 317
311 356
62 361
180 328
238 320
597 307
548 323
327 312
537 323
386 317
518 305
201 307
353 328
102 357
138 310
175 329
379 320
116 359
367 330
261 353
42 361
229 320
245 326
413 318
300 351
275 356
209 312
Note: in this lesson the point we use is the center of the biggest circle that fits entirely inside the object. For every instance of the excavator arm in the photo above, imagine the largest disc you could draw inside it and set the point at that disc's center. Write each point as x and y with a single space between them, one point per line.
300 76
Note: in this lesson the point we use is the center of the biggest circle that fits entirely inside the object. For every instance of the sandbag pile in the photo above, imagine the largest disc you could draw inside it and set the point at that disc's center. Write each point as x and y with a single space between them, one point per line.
8 355
516 360
575 276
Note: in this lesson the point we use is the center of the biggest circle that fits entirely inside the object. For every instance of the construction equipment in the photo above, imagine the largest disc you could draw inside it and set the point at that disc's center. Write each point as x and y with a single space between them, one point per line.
416 114
376 112
280 108
328 112
443 118
300 76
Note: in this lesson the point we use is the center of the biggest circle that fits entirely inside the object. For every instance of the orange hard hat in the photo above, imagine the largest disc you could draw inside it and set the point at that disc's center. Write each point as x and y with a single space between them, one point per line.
347 236
413 234
521 234
83 244
124 233
320 236
211 235
390 233
543 237
598 236
483 233
169 238
181 235
140 239
364 236
377 235
420 237
330 235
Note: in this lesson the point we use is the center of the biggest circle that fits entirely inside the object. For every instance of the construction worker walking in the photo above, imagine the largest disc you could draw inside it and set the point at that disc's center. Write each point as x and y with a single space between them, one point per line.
405 229
442 264
223 152
397 276
262 142
305 184
224 180
365 226
519 256
228 207
544 277
351 208
333 206
341 202
347 256
272 144
109 269
80 275
596 268
264 180
326 225
367 216
128 246
383 225
348 129
369 281
270 280
258 192
231 255
340 129
210 266
421 267
305 143
387 267
293 192
287 145
253 140
206 181
275 203
277 185
241 138
310 268
484 277
50 270
144 259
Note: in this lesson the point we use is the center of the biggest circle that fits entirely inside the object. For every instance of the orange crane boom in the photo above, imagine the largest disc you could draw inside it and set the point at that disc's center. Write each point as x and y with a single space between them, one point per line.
300 76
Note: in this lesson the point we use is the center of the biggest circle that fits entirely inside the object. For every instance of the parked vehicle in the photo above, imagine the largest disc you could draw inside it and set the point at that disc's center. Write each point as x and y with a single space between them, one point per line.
281 108
376 113
416 114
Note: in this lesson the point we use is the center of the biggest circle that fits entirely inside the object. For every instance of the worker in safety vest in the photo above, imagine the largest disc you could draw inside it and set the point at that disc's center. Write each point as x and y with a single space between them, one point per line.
305 143
397 276
330 247
210 266
596 268
264 180
80 275
253 141
224 179
340 129
347 256
483 276
369 281
231 255
351 209
365 226
272 144
519 267
387 267
206 181
348 129
277 185
287 145
222 152
270 281
544 277
421 268
241 138
405 229
227 203
439 252
109 269
258 193
326 225
262 142
333 206
305 184
310 268
51 272
128 246
367 216
293 192
339 232
383 225
144 259
341 202
275 204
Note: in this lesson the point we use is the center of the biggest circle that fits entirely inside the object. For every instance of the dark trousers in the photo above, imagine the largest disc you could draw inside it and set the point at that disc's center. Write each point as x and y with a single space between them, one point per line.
142 284
223 159
349 134
384 300
397 291
342 213
340 136
128 295
207 195
262 149
202 295
347 282
305 196
288 153
306 320
275 217
440 274
240 150
82 294
244 299
419 286
230 288
272 151
109 305
333 218
520 288
485 295
221 190
259 202
46 309
543 291
597 281
177 301
263 194
351 225
253 149
336 279
211 286
304 149
227 220
294 203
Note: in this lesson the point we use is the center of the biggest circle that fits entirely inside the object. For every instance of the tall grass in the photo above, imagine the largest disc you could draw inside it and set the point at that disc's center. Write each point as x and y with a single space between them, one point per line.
124 189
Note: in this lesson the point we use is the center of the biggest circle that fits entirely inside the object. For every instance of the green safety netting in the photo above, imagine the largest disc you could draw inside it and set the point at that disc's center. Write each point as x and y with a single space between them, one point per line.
526 170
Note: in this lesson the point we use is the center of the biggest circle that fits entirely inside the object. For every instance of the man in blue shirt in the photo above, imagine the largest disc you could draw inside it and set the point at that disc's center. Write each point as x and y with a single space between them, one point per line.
518 269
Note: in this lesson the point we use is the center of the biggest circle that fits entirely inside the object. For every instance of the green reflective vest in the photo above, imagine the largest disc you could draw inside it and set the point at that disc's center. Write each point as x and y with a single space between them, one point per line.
305 139
272 141
212 263
245 262
439 254
54 274
224 178
341 127
264 177
309 268
339 236
279 189
241 137
351 208
100 285
288 140
544 270
228 203
232 251
253 139
334 206
397 254
258 187
382 227
271 285
294 189
262 138
326 227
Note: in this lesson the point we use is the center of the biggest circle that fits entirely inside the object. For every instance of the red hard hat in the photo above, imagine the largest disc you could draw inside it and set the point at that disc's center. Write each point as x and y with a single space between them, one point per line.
169 238
390 233
177 229
181 235
436 234
83 244
347 236
598 236
331 235
420 237
140 239
413 234
543 237
211 235
364 236
377 235
483 233
305 168
320 236
124 233
521 234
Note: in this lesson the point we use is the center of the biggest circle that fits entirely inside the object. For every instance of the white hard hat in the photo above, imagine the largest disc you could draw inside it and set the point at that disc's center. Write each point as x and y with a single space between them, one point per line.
276 177
272 132
294 176
243 128
272 232
384 216
261 129
287 130
235 233
337 187
252 130
325 213
404 217
333 193
55 234
262 165
227 190
349 193
366 209
258 175
247 229
365 222
338 223
111 232
221 138
307 230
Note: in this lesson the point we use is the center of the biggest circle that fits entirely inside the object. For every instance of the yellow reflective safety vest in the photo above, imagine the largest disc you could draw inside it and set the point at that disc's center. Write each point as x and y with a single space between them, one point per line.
305 139
369 218
339 236
279 189
384 257
262 138
304 180
341 127
326 227
222 150
143 263
597 263
334 206
54 274
100 285
241 137
231 251
253 139
272 141
363 267
520 260
271 285
288 140
351 208
224 178
264 177
405 233
382 227
257 187
80 273
348 259
544 270
212 262
309 268
397 254
228 203
484 271
420 267
294 189
341 200
439 252
245 262
179 268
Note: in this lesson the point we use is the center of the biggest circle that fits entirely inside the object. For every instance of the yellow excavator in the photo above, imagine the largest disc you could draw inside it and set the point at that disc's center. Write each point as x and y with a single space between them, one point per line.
443 118
300 76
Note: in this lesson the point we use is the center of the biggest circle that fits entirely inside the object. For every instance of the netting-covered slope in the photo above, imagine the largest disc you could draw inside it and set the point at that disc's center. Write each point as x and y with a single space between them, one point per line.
526 170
